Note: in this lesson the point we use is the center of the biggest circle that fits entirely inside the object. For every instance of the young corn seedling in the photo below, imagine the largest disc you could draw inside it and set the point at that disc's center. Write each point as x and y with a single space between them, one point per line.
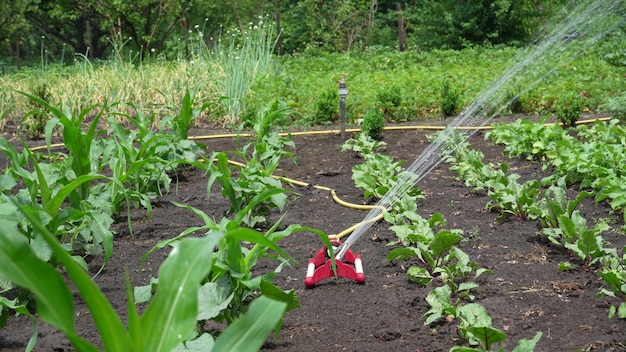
231 284
77 141
166 321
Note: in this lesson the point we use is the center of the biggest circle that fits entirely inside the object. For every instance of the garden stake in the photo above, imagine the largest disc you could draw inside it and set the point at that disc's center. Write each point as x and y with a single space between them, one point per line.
320 266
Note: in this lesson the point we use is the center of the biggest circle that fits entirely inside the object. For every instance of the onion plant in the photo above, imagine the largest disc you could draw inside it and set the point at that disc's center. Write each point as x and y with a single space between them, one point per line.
243 58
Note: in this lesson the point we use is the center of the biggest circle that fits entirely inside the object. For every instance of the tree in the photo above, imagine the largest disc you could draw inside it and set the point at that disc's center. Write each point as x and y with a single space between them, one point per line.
455 24
14 26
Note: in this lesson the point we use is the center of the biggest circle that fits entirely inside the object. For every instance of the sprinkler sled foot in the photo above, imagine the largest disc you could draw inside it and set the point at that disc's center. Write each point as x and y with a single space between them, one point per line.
320 266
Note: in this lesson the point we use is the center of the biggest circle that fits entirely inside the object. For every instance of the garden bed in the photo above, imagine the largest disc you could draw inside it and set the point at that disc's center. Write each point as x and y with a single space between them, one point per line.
525 294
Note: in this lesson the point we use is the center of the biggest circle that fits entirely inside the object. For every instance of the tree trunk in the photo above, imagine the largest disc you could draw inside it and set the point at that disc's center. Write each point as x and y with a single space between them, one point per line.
401 29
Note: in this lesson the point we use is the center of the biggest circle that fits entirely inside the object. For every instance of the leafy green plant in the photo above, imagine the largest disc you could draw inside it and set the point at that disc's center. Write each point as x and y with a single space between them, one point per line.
233 282
377 174
363 144
373 123
449 98
510 197
388 100
473 323
614 275
568 108
617 106
555 203
574 234
435 250
188 113
326 107
77 141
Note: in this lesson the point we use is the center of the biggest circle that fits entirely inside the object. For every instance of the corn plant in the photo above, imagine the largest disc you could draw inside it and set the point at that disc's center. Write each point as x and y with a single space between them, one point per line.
77 141
165 322
188 113
261 158
47 189
231 283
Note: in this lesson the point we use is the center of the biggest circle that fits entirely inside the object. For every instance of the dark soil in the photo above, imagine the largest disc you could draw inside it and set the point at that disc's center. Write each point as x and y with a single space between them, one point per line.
524 295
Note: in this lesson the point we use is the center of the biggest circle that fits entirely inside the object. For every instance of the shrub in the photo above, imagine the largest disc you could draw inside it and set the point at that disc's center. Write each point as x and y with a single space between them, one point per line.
568 108
326 107
388 99
373 123
449 99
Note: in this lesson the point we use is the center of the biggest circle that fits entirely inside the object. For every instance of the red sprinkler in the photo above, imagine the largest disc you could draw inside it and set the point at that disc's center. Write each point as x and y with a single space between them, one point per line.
320 266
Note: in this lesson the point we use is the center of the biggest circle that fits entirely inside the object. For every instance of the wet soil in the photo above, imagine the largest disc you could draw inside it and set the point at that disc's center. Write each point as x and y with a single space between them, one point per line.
524 295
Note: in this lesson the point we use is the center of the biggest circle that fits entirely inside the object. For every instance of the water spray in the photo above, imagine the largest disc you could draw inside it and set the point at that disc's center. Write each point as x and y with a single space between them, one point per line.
587 22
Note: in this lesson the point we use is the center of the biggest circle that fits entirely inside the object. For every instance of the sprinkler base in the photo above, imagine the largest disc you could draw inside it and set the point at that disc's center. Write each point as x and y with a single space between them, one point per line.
320 266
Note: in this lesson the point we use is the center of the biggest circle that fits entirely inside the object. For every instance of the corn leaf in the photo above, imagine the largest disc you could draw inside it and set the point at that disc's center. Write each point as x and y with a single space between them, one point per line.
54 300
173 310
248 333
108 323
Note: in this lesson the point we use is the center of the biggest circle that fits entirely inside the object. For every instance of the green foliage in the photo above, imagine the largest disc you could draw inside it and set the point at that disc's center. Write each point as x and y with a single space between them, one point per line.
447 24
378 174
614 276
510 197
256 175
617 106
34 123
449 99
232 282
363 144
389 99
435 250
568 108
326 107
167 319
373 123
